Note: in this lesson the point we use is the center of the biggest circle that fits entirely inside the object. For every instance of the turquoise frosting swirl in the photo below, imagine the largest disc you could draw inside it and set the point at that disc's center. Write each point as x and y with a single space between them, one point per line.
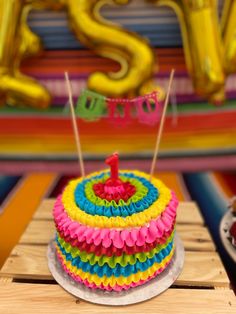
146 194
118 270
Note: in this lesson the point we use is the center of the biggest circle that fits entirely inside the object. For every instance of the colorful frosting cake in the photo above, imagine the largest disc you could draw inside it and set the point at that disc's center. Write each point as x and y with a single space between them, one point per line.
115 230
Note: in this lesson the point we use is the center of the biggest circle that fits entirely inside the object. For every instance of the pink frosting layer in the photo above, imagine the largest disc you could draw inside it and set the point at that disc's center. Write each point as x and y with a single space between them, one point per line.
112 250
116 288
118 238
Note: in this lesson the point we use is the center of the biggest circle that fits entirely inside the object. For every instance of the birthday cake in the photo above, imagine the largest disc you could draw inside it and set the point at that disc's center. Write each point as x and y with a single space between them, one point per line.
115 230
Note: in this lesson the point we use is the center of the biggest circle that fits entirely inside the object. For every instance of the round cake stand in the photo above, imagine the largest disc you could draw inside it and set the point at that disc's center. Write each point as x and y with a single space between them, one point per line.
225 225
133 295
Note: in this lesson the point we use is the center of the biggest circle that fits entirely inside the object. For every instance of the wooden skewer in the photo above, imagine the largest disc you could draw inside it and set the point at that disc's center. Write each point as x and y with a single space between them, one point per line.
75 127
159 134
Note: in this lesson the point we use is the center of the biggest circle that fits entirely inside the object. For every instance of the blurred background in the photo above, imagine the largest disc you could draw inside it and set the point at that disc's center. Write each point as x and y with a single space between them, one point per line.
121 49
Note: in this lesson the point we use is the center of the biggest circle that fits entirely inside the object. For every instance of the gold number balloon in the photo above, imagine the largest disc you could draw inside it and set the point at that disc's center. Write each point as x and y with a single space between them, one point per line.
228 24
30 44
201 40
15 40
202 43
132 52
112 41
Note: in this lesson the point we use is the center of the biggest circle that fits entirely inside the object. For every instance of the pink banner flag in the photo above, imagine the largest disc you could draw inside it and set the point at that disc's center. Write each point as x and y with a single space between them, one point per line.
120 111
148 109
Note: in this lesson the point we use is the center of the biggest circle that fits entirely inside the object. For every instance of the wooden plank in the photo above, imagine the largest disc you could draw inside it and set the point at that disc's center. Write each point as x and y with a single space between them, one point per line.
5 280
195 237
203 269
45 209
38 232
188 212
200 269
52 299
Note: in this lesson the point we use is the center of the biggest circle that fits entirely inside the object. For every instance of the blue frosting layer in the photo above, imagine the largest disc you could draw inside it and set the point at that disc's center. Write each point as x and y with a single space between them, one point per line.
118 270
111 211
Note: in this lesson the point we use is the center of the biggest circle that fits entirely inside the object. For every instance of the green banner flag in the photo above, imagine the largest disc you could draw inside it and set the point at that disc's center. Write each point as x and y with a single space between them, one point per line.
90 105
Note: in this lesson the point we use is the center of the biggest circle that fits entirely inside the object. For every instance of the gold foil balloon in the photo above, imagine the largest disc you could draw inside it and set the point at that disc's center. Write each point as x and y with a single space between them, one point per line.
202 43
30 43
15 41
201 39
108 40
149 87
47 4
228 24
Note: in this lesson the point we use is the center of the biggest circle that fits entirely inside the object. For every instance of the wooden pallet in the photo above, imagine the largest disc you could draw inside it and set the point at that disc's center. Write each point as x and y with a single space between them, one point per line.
26 284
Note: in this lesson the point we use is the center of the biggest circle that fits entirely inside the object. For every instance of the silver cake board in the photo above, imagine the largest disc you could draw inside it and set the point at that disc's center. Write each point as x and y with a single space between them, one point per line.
131 296
225 225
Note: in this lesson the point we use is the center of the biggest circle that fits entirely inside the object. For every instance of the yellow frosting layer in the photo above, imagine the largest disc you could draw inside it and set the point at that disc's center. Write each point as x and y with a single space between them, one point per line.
135 220
112 281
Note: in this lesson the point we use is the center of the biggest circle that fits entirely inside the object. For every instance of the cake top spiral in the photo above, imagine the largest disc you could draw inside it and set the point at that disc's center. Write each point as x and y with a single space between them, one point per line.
115 199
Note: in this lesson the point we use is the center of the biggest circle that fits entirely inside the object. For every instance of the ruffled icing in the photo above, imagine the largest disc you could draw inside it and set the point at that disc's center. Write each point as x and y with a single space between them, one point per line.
135 220
112 250
118 238
116 287
115 244
86 199
138 182
108 191
113 260
118 270
112 281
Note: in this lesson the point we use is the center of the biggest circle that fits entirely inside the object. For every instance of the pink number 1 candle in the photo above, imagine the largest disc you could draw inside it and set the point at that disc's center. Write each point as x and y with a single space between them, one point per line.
113 162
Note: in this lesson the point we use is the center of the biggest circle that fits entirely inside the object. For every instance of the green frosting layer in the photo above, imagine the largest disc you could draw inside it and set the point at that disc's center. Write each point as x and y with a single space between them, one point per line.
112 261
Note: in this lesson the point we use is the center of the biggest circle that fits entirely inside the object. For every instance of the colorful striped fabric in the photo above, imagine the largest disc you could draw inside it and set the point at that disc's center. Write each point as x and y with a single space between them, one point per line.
50 67
7 183
158 24
199 130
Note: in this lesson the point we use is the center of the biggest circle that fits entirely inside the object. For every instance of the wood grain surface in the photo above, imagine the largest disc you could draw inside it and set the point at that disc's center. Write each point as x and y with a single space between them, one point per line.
52 299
